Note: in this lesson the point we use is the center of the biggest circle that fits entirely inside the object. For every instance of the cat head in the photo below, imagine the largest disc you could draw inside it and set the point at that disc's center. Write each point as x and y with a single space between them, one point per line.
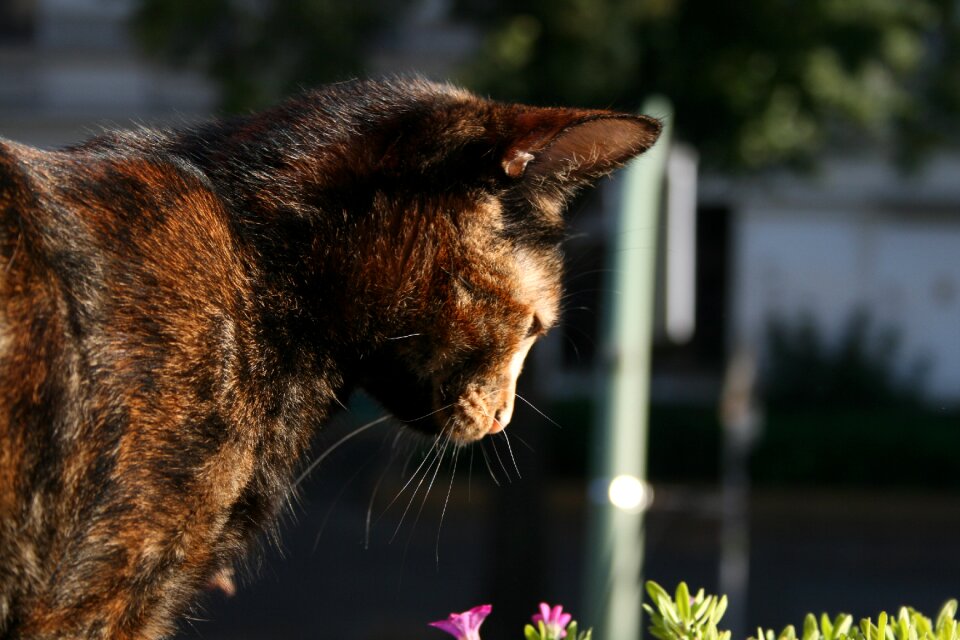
473 259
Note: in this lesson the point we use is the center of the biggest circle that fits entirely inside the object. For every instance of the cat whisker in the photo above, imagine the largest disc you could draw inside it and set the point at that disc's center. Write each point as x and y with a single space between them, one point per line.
576 349
336 499
532 406
426 494
376 487
582 333
506 439
337 400
524 443
453 474
496 452
334 446
409 335
470 476
565 310
486 460
406 463
373 497
427 415
406 547
589 272
413 476
437 457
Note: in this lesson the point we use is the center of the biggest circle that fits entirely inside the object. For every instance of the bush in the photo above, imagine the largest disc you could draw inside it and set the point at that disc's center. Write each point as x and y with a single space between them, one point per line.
683 617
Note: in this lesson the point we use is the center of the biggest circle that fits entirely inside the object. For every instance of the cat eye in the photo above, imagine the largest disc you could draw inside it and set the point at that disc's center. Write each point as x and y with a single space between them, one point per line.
536 327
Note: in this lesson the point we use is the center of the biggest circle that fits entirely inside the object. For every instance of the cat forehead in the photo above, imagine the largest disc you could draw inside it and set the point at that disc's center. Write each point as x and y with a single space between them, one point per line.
526 270
535 222
538 283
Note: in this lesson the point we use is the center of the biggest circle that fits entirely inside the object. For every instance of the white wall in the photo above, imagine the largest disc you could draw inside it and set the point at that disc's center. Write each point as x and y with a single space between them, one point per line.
902 266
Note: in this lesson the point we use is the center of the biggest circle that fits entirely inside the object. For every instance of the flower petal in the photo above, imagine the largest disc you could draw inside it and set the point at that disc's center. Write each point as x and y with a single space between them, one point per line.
544 614
453 628
466 625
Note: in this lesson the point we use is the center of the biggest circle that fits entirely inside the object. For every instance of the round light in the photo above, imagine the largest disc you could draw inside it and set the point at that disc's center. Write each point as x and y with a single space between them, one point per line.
629 493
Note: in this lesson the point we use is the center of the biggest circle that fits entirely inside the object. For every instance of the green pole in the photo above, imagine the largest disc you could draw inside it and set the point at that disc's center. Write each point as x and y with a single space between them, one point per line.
618 489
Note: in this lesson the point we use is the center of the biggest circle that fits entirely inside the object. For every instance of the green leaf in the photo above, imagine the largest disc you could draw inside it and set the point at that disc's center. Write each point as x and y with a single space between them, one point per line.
923 626
825 627
572 629
842 624
656 591
702 607
720 610
668 609
683 601
903 624
530 633
810 630
947 612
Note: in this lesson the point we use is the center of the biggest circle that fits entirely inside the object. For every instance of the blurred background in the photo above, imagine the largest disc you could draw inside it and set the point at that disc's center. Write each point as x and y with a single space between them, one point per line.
799 447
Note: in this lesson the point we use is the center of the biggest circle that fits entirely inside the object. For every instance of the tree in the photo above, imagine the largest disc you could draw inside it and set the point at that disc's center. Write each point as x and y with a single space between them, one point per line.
257 51
754 82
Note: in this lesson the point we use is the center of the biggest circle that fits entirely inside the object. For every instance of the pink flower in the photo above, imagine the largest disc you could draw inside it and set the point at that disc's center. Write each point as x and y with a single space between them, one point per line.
466 625
554 620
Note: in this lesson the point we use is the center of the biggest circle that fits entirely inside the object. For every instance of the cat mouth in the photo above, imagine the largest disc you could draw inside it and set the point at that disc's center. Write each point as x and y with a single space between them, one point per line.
464 412
470 417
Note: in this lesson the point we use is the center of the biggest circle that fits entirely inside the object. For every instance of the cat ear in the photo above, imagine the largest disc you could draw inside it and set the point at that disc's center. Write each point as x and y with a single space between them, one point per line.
575 146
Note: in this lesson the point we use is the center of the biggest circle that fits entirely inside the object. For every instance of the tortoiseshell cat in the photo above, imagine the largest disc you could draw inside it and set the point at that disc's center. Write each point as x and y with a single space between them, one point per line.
180 310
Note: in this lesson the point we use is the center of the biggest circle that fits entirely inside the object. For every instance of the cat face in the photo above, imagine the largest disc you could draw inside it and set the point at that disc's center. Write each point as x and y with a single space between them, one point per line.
498 304
487 256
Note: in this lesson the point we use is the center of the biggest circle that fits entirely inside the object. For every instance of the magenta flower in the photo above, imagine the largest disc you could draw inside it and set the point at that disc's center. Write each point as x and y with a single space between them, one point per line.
466 625
554 620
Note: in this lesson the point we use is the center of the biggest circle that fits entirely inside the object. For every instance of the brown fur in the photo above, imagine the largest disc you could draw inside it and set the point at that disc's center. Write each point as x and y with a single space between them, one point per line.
180 310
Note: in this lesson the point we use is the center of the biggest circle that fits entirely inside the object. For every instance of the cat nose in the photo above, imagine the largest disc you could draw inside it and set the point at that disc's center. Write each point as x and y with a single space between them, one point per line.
498 423
501 418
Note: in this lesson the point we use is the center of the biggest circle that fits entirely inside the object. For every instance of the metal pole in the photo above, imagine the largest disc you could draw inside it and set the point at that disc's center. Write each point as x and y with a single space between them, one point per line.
618 489
741 420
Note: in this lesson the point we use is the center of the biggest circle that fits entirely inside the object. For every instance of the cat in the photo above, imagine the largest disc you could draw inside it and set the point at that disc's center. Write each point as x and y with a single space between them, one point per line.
181 310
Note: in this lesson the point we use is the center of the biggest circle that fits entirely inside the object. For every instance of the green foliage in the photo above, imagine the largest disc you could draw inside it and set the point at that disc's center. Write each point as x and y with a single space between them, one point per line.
540 632
804 369
260 51
755 83
878 447
686 618
683 617
825 399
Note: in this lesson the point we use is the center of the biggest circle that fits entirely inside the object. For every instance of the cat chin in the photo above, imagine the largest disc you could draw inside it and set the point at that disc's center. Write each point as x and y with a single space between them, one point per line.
463 422
420 405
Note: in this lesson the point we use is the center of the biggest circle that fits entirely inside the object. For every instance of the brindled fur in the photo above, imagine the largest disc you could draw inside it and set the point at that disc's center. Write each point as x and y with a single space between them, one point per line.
180 310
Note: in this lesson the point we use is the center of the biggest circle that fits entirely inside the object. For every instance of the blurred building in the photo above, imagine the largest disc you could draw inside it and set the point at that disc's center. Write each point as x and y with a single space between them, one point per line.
69 67
857 237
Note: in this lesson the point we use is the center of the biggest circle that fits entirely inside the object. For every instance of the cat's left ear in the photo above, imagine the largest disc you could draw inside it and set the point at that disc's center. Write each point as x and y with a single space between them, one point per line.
575 146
